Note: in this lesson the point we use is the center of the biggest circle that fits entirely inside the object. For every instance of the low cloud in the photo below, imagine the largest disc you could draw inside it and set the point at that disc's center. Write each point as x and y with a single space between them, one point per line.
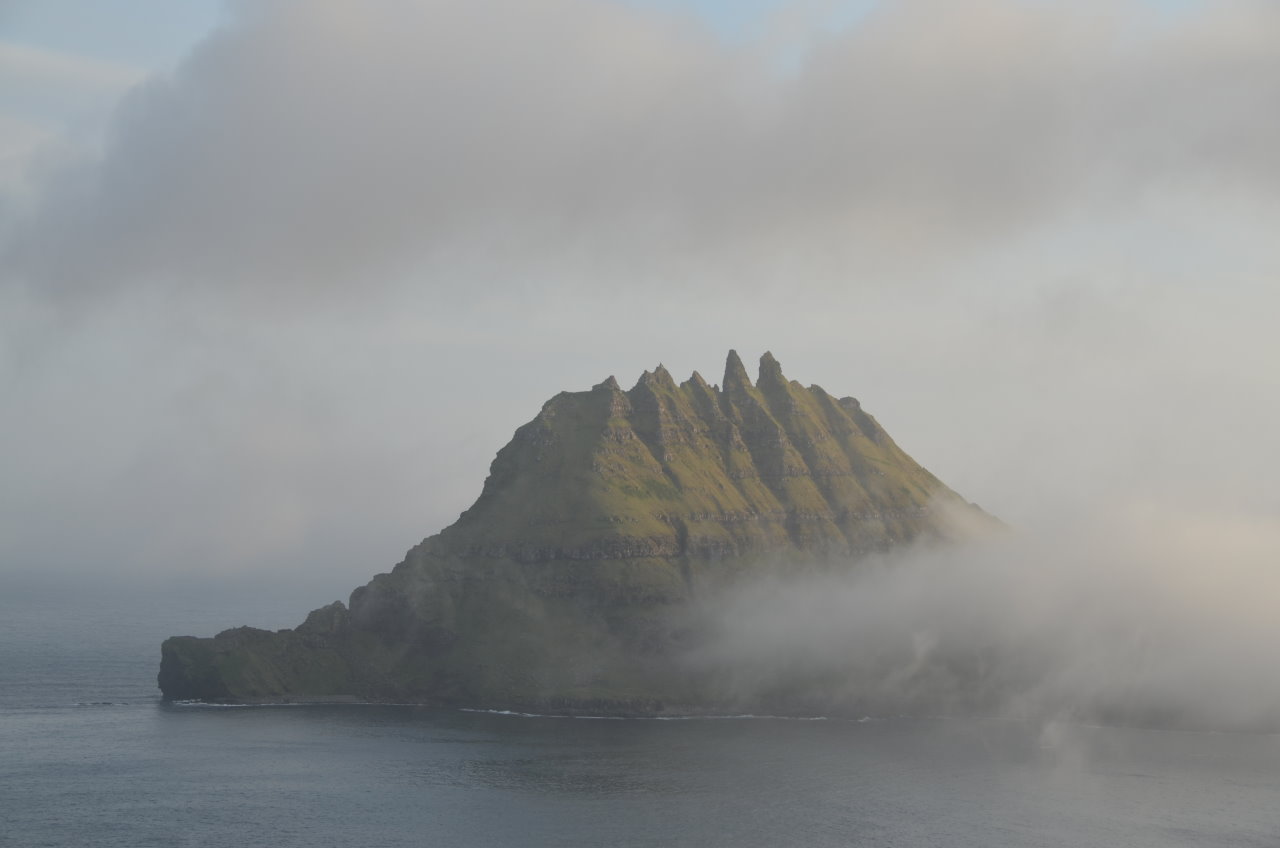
1143 614
64 70
321 146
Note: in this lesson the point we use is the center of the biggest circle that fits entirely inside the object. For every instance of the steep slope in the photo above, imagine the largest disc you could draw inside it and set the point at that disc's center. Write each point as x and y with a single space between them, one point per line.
667 470
573 581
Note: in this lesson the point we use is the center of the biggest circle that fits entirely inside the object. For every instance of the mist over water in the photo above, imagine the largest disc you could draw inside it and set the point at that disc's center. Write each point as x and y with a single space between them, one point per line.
1139 615
91 757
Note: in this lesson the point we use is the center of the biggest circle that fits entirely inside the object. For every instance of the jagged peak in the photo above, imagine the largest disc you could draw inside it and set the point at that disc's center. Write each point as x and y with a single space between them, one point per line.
770 372
735 373
697 379
663 376
609 384
659 377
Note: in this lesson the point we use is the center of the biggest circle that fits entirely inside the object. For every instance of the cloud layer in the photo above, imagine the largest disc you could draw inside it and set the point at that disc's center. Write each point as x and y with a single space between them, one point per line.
1147 616
327 145
318 274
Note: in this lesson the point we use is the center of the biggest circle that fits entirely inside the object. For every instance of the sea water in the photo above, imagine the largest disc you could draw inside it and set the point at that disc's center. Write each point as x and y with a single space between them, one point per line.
89 755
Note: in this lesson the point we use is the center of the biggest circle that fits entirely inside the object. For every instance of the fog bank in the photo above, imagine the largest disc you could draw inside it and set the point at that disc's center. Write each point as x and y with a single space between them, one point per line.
1142 614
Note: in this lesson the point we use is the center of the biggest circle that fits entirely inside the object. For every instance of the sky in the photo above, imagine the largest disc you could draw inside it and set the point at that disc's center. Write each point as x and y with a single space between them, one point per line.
277 279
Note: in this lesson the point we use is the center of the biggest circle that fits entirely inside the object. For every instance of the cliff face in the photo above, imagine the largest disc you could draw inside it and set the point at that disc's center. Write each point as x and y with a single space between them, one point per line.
574 580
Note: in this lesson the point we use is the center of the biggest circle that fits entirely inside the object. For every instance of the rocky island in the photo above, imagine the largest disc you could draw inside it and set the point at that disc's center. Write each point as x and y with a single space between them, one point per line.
574 582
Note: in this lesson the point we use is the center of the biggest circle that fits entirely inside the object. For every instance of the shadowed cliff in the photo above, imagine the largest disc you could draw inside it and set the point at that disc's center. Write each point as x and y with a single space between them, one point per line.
574 581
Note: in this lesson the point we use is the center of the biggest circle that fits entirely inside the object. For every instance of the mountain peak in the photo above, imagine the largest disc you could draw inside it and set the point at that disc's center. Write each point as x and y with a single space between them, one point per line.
663 377
659 377
770 372
735 373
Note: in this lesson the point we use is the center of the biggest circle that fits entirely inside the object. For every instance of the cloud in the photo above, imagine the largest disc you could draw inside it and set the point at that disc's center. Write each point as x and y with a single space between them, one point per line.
344 248
19 140
47 98
332 146
55 68
332 143
64 94
1143 613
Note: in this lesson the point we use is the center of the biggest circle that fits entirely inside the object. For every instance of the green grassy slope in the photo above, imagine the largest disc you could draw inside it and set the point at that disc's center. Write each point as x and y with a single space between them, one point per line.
668 470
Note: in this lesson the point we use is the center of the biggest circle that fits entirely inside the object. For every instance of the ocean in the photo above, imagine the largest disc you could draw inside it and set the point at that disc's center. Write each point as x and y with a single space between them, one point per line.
90 756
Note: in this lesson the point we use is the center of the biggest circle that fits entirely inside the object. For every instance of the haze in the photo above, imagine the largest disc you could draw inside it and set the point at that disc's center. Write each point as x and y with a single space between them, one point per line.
1137 617
270 306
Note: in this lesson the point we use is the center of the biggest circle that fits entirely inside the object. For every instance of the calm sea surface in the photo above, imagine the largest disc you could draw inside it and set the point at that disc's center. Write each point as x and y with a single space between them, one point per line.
90 756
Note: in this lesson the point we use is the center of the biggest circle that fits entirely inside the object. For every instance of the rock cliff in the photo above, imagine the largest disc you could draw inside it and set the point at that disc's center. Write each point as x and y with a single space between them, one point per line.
574 581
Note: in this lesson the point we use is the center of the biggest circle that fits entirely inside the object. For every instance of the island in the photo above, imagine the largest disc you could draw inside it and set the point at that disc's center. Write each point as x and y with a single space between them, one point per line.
576 581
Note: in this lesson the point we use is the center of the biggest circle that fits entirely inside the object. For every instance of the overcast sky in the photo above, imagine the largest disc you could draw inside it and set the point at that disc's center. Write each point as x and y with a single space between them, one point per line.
277 279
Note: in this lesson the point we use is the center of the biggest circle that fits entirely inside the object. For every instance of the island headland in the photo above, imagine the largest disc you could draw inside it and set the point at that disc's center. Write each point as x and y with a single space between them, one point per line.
573 584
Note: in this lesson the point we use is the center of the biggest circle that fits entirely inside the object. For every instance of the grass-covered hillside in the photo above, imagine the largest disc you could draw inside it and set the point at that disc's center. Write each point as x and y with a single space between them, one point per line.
667 469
